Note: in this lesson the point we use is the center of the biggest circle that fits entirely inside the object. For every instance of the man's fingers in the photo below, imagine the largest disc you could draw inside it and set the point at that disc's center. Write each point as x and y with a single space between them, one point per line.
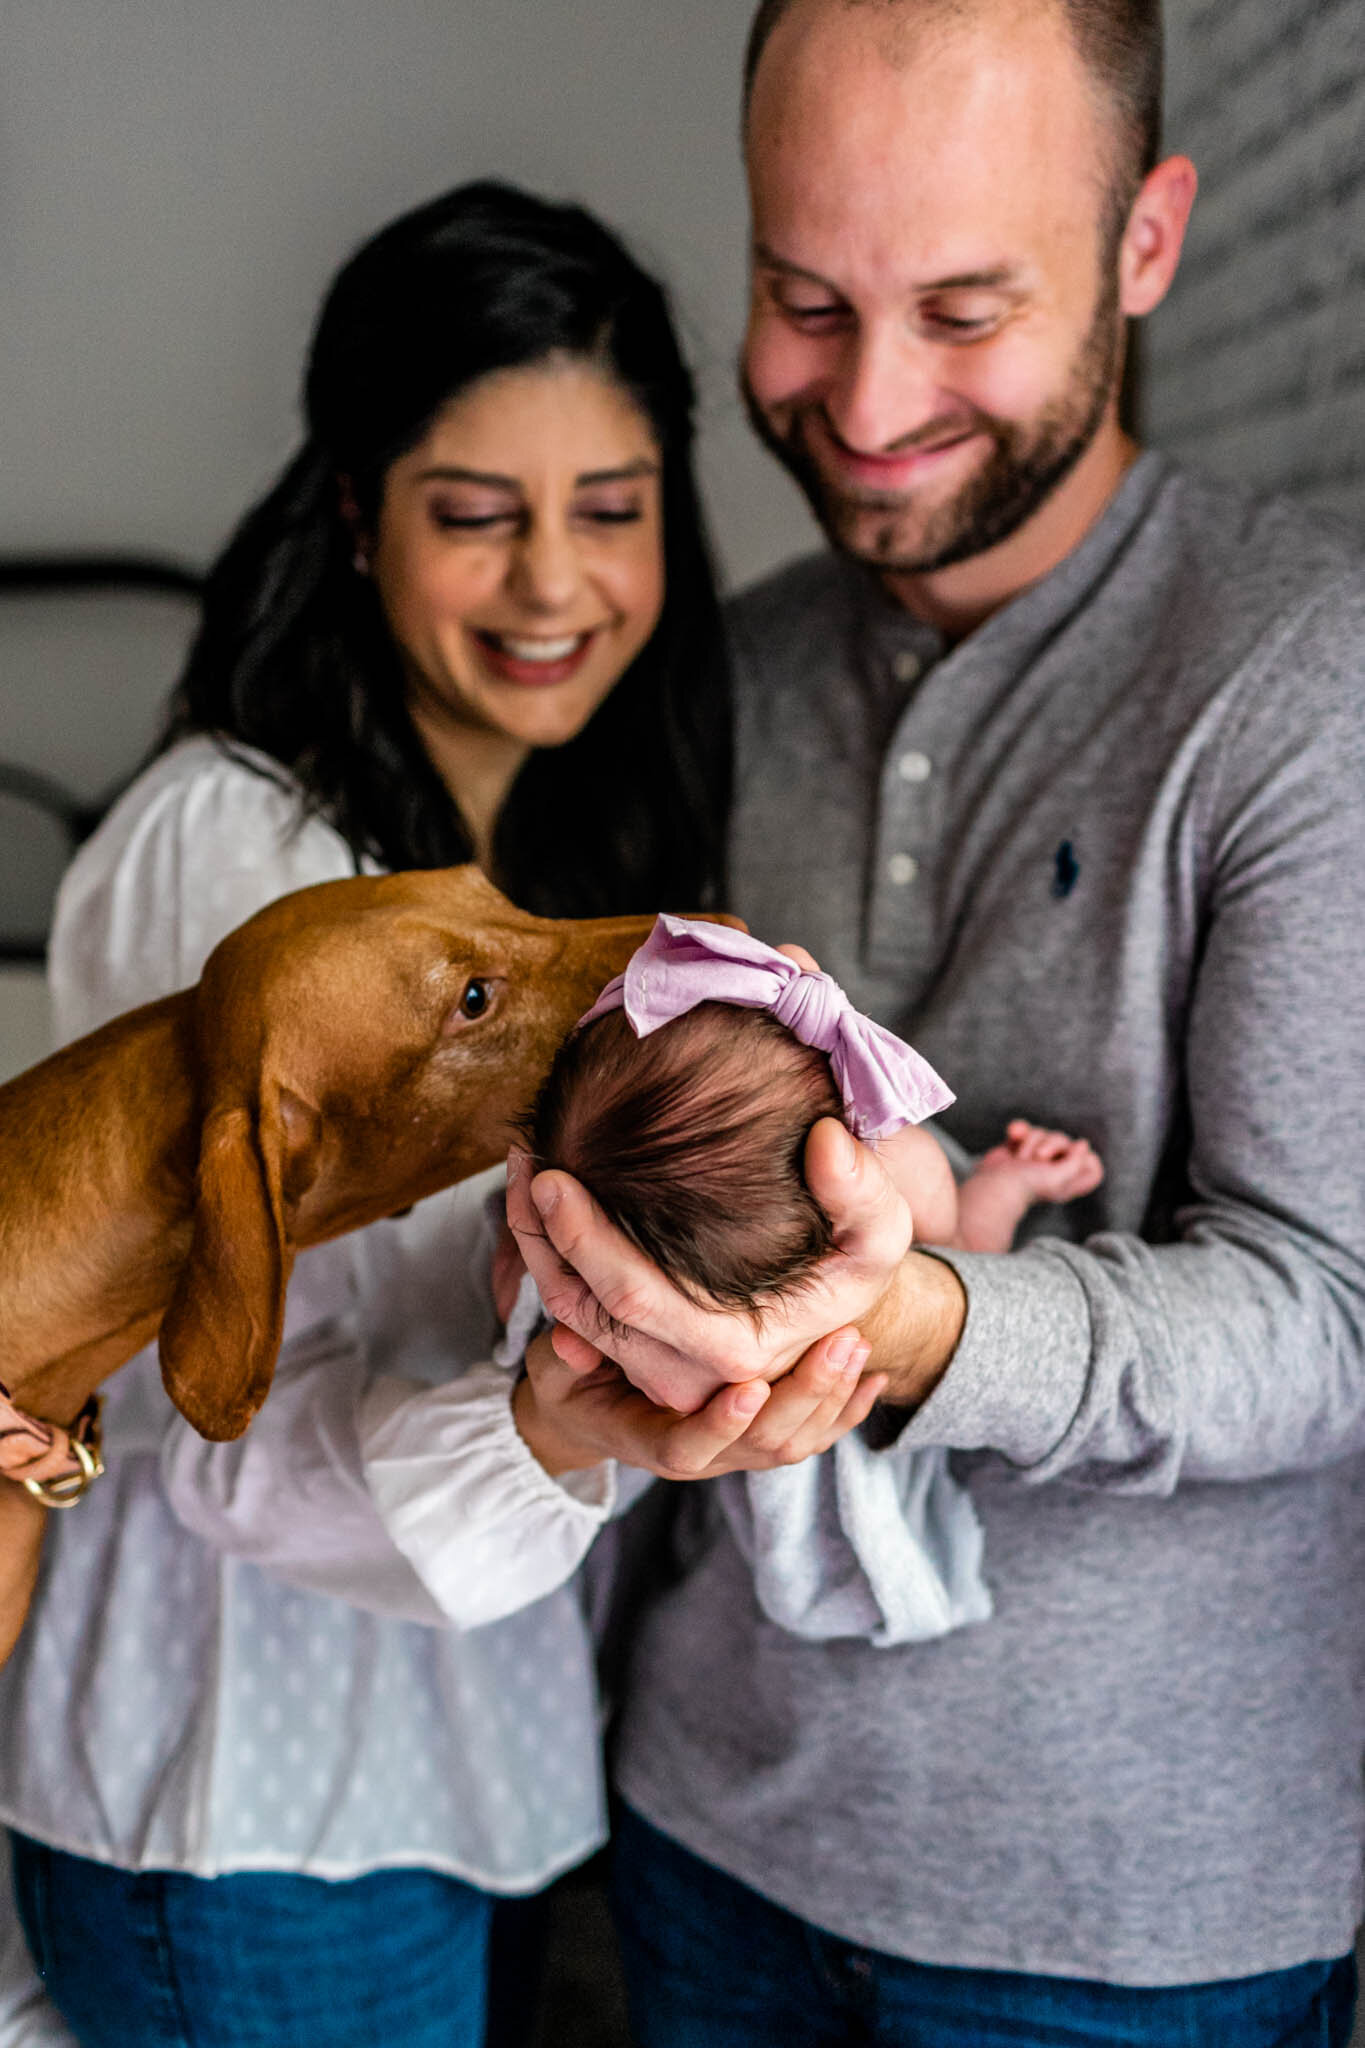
807 962
619 1422
564 1294
870 1218
688 1446
808 1398
618 1276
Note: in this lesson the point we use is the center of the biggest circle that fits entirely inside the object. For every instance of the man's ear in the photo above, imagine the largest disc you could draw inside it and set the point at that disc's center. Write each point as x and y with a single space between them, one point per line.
1155 235
221 1334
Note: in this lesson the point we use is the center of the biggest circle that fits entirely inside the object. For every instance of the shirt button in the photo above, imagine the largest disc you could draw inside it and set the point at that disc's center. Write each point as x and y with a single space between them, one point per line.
907 666
902 868
914 767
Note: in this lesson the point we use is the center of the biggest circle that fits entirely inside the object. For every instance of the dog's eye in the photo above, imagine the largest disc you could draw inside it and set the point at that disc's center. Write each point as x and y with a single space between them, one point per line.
475 999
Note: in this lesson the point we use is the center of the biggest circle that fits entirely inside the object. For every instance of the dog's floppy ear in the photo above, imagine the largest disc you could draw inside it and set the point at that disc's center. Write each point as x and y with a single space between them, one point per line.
221 1334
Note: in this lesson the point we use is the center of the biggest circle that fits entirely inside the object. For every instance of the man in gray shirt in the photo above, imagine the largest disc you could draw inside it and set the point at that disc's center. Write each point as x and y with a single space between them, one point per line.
1057 762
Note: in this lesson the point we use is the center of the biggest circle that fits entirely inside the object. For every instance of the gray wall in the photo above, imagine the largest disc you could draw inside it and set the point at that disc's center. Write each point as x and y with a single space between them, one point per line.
1256 367
178 178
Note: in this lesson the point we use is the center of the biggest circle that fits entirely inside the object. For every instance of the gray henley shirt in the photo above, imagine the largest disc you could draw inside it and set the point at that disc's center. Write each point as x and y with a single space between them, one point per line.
1104 864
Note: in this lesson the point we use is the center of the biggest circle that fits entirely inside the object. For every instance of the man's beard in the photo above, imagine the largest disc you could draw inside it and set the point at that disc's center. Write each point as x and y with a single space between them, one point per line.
1028 460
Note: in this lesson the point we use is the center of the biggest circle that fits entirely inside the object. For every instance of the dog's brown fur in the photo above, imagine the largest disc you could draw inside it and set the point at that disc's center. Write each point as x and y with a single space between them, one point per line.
161 1173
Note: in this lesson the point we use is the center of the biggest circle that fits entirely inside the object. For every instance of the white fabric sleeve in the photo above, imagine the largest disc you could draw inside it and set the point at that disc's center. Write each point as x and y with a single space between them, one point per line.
290 1495
484 1526
420 1502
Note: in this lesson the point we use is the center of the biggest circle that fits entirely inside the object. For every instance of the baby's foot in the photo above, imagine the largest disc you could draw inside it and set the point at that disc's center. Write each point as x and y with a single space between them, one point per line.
1047 1166
1033 1165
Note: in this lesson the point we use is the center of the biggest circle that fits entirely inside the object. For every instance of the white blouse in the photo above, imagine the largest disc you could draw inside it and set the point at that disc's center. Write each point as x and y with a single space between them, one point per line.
171 1706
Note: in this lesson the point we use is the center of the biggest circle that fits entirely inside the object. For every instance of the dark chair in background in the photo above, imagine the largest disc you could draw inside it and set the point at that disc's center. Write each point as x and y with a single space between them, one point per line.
89 648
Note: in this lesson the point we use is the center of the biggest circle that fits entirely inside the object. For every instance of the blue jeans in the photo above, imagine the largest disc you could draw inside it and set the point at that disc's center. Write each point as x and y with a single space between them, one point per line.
155 1959
711 1964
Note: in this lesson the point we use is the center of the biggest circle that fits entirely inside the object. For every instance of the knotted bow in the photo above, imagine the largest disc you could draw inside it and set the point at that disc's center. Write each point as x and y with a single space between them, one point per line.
884 1083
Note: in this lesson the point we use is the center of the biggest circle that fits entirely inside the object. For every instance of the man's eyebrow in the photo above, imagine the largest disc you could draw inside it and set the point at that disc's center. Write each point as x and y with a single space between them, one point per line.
770 260
974 280
997 278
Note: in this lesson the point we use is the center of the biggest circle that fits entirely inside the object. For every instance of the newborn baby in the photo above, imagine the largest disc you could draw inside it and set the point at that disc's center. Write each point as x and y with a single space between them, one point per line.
683 1102
684 1099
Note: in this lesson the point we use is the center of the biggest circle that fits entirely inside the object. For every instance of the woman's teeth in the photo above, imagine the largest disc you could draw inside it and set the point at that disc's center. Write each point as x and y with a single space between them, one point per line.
539 650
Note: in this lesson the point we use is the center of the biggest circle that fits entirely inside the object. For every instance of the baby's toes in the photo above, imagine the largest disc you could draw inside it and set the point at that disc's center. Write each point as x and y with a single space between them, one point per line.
1089 1168
1023 1140
1035 1146
1054 1147
1077 1172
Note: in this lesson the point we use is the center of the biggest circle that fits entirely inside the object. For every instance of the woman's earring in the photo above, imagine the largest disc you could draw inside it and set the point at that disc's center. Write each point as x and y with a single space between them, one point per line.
360 561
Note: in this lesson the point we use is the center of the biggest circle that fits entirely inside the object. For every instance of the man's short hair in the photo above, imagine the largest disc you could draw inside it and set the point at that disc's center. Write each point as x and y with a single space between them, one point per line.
1120 44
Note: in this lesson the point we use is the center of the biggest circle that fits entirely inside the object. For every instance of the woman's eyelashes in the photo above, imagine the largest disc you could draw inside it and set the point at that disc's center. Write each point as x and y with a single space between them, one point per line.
610 511
457 516
513 518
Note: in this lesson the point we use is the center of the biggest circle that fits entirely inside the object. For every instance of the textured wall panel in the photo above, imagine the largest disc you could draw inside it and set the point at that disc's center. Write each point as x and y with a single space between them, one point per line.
1256 366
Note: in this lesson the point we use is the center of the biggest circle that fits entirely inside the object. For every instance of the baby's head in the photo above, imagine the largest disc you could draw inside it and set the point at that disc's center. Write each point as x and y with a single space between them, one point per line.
692 1139
684 1099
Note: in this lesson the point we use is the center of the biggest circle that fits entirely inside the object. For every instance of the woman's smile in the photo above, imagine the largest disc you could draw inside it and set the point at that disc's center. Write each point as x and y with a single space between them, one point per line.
534 663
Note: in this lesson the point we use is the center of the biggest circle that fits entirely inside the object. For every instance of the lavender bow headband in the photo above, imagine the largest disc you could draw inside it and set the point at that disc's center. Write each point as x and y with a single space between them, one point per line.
884 1083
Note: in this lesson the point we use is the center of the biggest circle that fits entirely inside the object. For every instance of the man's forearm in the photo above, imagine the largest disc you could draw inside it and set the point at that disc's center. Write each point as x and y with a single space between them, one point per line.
915 1327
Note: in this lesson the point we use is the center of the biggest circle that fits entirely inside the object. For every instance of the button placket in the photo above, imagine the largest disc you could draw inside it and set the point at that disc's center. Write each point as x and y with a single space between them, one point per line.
899 937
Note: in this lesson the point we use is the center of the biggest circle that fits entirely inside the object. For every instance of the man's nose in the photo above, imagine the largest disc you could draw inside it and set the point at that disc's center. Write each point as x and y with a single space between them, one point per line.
884 389
546 572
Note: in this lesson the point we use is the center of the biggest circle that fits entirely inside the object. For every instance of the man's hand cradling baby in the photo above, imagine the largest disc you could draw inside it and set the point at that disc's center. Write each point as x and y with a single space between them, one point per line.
576 1415
610 1301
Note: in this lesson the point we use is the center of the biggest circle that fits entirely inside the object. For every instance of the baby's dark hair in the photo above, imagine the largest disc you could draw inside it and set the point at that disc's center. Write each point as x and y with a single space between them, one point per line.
692 1141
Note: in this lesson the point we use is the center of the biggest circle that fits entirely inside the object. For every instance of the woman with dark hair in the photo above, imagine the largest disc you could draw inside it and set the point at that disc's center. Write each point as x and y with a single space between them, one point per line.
379 697
474 619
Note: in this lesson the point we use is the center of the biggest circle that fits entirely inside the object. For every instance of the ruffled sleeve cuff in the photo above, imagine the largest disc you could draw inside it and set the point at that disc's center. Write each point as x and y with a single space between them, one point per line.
484 1526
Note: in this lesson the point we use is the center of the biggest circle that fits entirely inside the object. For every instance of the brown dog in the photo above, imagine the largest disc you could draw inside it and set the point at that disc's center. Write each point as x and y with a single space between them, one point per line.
352 1048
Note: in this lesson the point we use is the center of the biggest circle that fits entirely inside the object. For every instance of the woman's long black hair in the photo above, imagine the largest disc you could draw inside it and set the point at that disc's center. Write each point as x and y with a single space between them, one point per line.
293 655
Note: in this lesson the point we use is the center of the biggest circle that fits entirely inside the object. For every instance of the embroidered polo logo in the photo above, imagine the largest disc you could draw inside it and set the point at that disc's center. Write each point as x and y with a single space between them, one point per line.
1066 870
